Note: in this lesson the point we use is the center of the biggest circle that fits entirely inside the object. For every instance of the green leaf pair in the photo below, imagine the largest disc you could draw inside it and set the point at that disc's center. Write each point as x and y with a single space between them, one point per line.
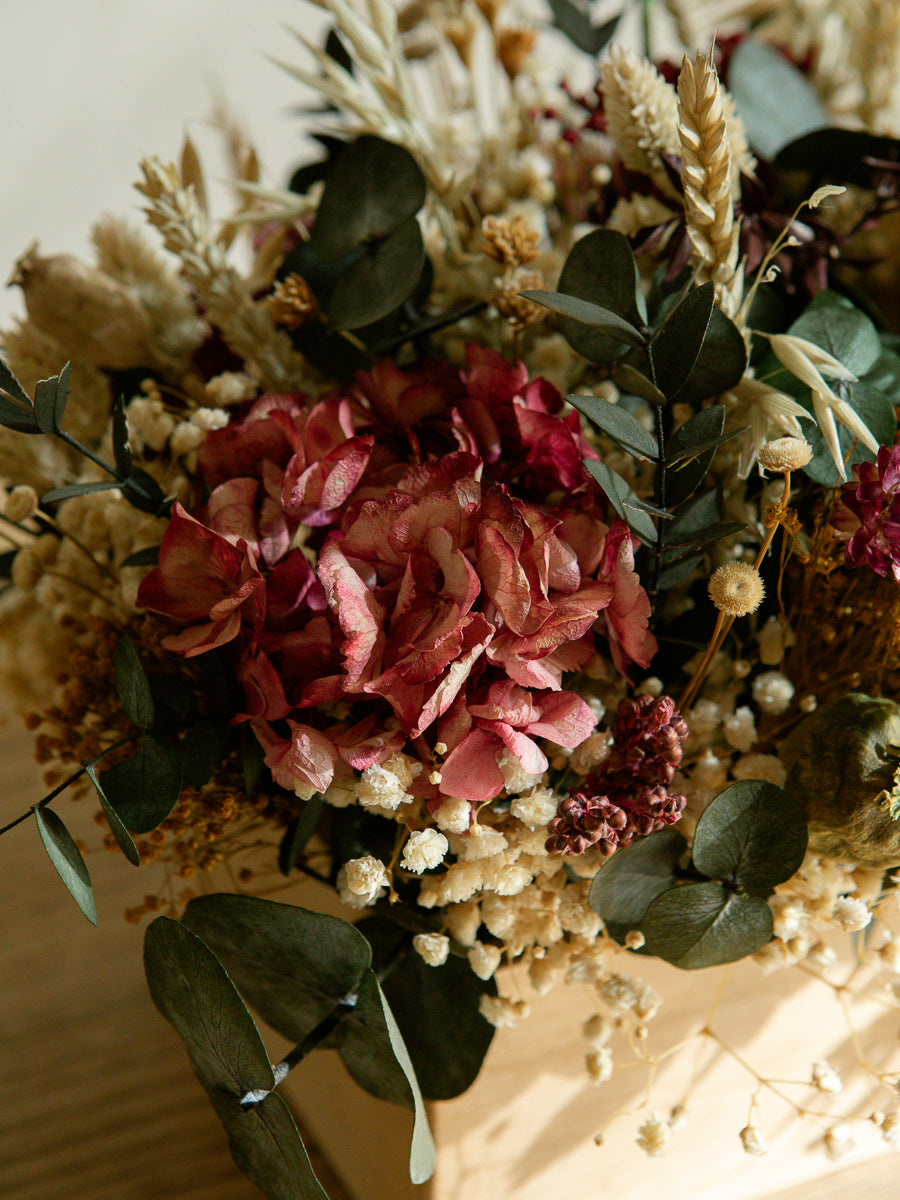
297 968
708 907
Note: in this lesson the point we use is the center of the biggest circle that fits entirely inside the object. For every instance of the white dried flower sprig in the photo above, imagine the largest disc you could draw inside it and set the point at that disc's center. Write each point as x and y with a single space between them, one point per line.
708 180
641 113
763 408
812 365
245 324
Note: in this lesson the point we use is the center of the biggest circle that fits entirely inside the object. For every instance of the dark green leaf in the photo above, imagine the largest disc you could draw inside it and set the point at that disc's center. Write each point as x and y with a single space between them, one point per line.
298 834
601 269
774 98
629 379
145 788
364 1045
720 364
573 18
625 886
624 501
676 346
372 187
78 489
120 437
701 429
379 280
11 386
624 429
702 925
144 493
172 698
884 373
50 396
142 558
448 1049
254 762
833 323
66 857
703 510
193 992
17 417
704 537
294 966
753 834
587 313
711 443
132 686
677 569
204 746
123 838
840 155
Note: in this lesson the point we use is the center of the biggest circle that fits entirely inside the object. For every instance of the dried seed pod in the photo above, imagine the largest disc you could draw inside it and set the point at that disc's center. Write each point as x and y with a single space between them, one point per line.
92 317
843 763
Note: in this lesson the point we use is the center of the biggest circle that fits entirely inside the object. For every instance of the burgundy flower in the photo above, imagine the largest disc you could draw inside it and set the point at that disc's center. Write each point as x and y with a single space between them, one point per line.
206 581
627 796
867 514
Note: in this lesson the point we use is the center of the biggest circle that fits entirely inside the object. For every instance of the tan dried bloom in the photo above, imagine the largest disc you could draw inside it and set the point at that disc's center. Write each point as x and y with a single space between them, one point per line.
599 1065
850 914
653 1135
20 504
513 47
825 1078
484 959
365 875
707 178
839 1141
641 113
517 310
510 241
292 302
736 589
784 454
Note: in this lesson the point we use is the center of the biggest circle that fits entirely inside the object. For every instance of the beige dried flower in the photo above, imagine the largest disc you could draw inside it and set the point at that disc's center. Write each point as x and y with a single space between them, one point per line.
424 849
513 47
510 241
825 1078
641 113
20 504
736 589
784 454
515 309
92 317
752 1141
653 1135
432 948
292 302
708 180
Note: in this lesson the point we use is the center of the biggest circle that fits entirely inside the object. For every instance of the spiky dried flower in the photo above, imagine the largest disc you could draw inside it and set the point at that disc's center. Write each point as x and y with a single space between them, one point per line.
510 241
736 589
292 302
785 454
708 180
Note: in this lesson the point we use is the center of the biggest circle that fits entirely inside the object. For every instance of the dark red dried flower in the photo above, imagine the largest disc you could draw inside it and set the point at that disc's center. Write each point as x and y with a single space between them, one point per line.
867 514
627 796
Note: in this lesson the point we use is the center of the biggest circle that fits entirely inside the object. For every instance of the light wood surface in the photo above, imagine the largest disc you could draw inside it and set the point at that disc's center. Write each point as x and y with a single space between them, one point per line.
97 1100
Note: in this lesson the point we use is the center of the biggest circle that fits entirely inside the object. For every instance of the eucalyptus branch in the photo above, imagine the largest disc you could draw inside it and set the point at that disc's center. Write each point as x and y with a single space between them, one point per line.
88 453
82 770
313 1039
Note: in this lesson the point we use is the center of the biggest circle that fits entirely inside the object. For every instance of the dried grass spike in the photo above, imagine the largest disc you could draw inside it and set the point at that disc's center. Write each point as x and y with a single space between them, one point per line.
641 113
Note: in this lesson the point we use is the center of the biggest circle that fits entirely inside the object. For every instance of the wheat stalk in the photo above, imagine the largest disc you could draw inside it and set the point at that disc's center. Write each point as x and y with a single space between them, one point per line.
641 113
707 179
245 325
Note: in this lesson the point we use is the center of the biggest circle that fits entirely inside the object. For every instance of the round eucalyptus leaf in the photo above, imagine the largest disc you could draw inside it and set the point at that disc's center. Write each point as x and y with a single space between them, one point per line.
626 885
66 857
719 365
834 323
294 966
702 925
774 99
372 187
448 1049
753 834
145 788
601 268
379 280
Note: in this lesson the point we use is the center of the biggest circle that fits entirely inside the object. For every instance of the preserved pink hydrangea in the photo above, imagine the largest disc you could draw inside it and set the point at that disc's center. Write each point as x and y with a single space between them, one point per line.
421 561
867 514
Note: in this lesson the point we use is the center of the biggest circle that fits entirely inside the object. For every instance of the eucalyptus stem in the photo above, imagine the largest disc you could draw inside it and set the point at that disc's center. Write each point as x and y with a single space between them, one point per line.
82 449
314 1038
82 770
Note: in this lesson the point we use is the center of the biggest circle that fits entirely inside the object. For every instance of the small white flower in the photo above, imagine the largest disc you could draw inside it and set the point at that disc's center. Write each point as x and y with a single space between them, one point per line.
502 1012
536 809
365 875
432 948
424 850
752 1141
839 1140
850 914
772 692
599 1065
484 959
454 815
653 1135
825 1078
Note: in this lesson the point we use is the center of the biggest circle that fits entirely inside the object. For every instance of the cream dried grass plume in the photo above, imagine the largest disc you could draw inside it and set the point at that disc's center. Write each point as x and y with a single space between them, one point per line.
125 254
707 178
641 113
245 325
877 60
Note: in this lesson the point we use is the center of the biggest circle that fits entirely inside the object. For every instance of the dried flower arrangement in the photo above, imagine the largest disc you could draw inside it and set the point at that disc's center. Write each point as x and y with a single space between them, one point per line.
547 627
